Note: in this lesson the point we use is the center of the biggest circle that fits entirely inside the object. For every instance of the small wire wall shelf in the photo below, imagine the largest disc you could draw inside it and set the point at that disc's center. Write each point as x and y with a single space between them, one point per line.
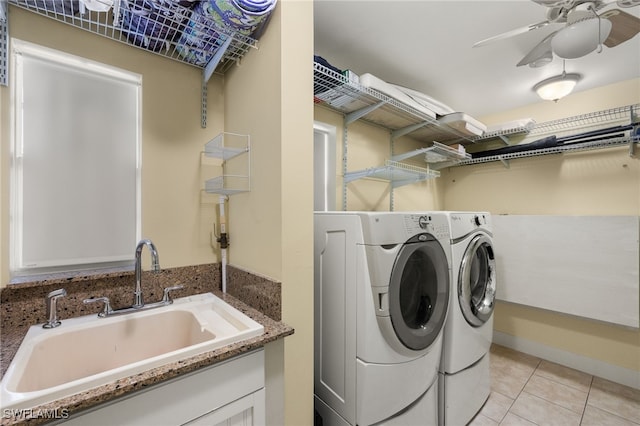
602 129
397 173
504 134
163 27
235 152
437 155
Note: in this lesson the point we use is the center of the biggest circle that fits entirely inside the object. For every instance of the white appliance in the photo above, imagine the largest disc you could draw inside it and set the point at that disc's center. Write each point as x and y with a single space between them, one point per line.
464 371
382 283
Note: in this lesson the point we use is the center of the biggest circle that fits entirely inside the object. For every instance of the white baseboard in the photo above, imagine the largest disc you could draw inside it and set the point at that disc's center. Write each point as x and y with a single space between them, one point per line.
614 373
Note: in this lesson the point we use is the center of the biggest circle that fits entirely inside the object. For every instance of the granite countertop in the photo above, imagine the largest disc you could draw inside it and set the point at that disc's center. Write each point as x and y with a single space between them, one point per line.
11 337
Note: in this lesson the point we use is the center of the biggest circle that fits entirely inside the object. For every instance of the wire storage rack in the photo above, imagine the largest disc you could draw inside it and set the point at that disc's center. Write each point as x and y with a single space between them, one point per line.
597 130
397 173
188 31
178 30
235 152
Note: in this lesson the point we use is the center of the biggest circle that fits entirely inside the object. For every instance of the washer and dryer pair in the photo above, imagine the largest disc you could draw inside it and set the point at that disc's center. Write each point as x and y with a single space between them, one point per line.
387 297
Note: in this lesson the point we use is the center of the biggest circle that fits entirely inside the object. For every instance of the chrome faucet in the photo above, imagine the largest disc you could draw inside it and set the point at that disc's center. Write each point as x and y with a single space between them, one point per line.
52 308
138 301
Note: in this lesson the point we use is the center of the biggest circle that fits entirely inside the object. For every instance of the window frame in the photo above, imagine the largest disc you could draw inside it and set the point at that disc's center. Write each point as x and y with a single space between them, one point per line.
20 50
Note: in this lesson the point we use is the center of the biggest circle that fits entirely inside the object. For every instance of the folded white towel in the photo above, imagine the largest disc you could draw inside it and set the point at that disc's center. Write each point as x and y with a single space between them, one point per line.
523 124
427 101
373 82
463 123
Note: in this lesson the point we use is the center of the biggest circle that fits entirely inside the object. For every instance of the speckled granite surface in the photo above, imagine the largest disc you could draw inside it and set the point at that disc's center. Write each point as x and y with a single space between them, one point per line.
22 305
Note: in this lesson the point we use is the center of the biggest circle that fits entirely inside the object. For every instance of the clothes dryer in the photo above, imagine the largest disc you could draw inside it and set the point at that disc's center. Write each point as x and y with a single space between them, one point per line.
382 283
464 370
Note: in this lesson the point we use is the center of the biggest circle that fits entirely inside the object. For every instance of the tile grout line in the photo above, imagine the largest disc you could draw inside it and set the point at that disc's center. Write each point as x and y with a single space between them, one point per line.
586 401
520 393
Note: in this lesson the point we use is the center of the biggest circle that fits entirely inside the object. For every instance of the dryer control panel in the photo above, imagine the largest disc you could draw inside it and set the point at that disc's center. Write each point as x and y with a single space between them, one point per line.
432 223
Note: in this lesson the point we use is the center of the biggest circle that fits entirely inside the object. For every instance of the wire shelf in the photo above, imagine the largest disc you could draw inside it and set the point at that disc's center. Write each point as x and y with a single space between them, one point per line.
164 27
505 133
584 146
341 93
227 146
436 153
236 174
595 120
397 173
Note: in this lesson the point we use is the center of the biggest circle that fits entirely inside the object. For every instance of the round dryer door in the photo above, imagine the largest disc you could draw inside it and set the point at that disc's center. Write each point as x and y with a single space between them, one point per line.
419 292
477 281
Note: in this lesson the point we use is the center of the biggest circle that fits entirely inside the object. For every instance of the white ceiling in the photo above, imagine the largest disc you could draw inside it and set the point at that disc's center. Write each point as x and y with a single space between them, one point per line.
427 45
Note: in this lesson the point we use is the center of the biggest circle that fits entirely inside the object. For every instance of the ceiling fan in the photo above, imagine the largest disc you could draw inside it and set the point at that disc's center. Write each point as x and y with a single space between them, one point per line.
585 27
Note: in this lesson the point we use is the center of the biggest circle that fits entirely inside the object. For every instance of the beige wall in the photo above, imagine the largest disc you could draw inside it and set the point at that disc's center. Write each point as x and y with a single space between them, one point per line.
603 182
271 227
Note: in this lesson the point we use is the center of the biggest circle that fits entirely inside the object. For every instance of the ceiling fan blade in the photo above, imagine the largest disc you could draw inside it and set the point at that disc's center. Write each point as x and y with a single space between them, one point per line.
512 33
540 51
624 27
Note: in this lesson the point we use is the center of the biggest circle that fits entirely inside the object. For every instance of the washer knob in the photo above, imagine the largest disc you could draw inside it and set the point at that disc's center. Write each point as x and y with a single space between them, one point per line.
423 222
477 220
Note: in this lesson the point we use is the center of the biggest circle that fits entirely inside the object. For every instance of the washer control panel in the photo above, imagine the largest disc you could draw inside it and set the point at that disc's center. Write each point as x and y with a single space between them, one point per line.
434 224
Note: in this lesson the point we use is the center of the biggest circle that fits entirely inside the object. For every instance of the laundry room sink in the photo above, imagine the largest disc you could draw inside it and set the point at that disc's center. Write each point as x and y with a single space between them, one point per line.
89 351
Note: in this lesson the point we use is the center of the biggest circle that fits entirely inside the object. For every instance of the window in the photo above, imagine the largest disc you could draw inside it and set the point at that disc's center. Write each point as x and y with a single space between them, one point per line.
324 167
75 175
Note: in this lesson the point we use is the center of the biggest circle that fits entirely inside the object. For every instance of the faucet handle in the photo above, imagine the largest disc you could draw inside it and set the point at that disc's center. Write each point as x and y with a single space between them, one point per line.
106 310
166 298
52 307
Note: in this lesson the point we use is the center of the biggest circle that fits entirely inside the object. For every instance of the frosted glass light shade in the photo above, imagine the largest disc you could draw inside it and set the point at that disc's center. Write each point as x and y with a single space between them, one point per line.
580 38
557 87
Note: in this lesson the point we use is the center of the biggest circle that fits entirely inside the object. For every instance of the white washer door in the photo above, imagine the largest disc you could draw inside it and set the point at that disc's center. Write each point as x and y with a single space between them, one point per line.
419 292
477 281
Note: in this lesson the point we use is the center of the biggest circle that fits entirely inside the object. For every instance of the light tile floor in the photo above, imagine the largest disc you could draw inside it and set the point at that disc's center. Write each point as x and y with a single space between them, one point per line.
526 390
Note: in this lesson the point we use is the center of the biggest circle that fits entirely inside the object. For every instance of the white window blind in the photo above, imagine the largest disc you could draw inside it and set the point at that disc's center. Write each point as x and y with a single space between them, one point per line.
76 168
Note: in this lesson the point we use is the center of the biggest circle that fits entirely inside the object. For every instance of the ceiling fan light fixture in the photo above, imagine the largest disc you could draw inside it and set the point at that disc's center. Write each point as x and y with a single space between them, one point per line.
557 87
580 38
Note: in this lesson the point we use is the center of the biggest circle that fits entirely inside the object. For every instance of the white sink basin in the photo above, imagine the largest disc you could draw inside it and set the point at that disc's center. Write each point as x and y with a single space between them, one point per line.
88 351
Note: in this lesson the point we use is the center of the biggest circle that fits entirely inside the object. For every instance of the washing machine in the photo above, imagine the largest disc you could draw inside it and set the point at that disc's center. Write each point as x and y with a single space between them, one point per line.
382 283
464 370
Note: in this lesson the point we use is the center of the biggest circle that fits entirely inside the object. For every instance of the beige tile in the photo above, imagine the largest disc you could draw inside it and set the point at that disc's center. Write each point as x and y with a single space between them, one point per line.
509 381
616 399
480 420
512 420
559 394
596 417
510 370
565 375
543 412
496 406
501 356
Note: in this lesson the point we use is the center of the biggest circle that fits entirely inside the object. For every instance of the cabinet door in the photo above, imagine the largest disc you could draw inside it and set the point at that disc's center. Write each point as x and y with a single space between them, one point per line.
186 398
247 411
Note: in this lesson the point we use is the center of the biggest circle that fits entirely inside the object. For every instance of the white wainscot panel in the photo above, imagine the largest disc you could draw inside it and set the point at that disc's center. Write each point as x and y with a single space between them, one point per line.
579 265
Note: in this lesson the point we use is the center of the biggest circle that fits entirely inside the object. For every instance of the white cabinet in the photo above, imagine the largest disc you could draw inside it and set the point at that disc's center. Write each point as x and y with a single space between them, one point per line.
230 393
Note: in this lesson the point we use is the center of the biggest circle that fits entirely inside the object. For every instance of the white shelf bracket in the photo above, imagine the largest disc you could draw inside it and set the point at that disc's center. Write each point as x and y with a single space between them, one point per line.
401 157
504 139
358 114
4 43
504 162
406 130
207 72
